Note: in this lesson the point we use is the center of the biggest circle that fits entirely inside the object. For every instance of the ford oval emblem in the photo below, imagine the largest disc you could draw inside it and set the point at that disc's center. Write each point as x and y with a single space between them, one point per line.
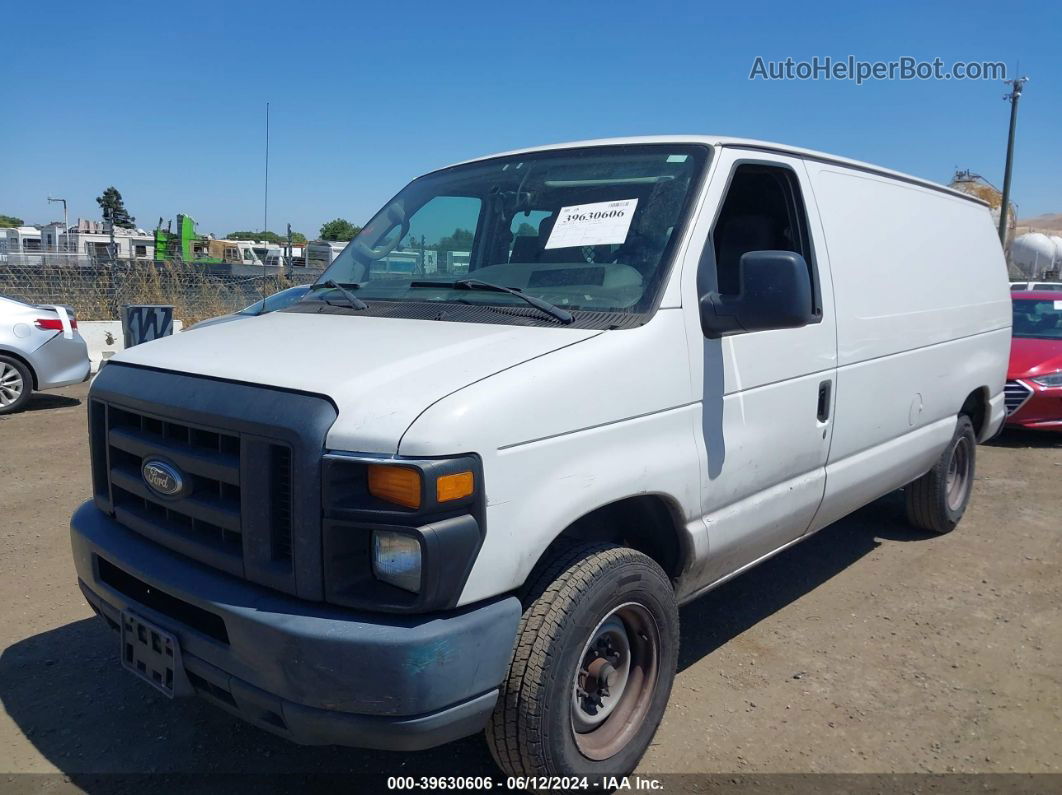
162 478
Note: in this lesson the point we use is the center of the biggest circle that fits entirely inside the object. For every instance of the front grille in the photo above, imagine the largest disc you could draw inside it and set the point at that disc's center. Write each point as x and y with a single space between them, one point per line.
206 522
280 500
1015 393
248 456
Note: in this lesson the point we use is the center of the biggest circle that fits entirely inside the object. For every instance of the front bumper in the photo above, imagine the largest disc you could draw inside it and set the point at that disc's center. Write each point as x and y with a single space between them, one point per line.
1041 410
307 671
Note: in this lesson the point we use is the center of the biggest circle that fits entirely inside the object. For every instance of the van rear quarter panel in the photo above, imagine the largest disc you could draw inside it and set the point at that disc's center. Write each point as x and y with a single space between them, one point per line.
923 319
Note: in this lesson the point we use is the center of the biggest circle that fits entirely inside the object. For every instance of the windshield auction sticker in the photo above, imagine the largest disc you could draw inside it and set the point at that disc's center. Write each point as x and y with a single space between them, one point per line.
598 224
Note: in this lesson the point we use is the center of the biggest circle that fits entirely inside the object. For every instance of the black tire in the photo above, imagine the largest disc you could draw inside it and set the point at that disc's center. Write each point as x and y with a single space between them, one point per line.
533 729
16 384
938 499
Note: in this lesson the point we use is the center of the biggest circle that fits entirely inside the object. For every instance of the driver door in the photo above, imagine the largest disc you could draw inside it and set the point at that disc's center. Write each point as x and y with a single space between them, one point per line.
766 396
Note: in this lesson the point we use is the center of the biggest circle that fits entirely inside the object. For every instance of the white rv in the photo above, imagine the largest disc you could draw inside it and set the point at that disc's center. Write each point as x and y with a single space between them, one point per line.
321 253
475 501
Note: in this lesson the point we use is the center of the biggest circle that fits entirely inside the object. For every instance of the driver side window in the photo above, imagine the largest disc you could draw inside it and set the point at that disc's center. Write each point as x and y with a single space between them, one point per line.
763 210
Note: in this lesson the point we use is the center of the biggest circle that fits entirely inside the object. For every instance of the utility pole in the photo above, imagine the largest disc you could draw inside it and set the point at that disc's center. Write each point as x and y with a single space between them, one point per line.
1016 87
265 213
265 210
66 224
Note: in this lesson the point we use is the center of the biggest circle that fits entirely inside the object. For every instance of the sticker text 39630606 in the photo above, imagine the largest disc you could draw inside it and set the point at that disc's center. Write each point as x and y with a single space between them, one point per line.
597 224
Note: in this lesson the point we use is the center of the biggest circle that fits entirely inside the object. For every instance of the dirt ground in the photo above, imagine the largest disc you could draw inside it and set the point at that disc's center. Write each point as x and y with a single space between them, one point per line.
869 648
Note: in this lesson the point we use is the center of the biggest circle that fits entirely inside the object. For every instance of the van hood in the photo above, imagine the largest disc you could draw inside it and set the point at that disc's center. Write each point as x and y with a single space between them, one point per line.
380 372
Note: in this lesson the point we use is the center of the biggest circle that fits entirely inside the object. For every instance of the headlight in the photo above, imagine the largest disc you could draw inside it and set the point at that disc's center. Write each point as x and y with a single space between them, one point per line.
1049 381
396 559
400 534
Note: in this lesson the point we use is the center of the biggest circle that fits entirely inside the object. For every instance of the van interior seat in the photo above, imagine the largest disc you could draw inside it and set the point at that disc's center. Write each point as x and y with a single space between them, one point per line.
737 235
526 248
529 248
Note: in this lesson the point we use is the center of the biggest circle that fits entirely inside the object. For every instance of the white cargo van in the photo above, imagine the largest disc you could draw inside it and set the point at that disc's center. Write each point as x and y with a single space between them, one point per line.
475 501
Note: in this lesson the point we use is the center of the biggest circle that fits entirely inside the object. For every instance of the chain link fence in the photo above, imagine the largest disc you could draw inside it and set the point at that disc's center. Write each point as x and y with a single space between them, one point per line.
98 290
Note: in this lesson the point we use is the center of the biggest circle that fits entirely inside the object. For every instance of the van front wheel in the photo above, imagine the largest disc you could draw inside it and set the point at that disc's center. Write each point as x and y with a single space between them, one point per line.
592 667
938 499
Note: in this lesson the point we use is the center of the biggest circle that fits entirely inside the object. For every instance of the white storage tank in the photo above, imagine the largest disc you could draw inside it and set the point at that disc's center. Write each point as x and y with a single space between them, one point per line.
1034 253
1058 251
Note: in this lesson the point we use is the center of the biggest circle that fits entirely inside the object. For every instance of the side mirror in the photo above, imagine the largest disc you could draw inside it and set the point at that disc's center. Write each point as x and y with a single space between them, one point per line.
775 294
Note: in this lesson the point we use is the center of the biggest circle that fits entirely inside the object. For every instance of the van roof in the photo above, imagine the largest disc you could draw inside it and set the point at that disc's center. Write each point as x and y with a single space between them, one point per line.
744 143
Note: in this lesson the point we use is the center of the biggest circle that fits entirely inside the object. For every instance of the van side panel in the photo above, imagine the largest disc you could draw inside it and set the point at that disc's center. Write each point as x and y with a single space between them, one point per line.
911 266
923 319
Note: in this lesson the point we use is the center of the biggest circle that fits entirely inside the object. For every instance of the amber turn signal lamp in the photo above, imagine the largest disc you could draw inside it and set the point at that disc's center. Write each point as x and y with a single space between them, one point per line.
400 485
454 487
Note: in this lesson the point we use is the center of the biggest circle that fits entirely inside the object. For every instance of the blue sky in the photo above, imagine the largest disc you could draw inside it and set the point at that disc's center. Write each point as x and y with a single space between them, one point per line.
167 102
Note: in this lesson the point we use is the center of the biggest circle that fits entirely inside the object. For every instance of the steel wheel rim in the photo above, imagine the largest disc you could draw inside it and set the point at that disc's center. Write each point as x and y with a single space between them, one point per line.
957 482
11 385
630 640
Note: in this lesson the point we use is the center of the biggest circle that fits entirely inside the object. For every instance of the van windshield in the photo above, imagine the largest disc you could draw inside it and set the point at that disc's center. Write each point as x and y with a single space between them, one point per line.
589 230
1038 320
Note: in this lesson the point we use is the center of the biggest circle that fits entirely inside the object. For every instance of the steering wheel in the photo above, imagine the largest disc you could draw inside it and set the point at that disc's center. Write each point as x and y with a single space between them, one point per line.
397 216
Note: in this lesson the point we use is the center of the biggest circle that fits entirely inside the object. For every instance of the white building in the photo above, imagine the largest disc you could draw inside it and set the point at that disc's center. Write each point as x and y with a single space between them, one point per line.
93 239
20 239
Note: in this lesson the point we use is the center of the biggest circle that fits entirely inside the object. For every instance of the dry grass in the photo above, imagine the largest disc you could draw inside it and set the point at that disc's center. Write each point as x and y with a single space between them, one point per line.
97 292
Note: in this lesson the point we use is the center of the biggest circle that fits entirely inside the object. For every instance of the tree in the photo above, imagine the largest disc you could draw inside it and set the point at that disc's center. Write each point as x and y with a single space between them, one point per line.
114 209
297 238
10 220
461 240
339 229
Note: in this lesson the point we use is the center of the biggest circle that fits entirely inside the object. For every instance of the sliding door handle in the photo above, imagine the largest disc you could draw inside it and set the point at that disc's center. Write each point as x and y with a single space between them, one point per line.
825 389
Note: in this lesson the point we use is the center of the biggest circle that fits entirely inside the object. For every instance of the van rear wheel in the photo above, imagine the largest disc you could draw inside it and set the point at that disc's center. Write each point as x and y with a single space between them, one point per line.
592 667
938 499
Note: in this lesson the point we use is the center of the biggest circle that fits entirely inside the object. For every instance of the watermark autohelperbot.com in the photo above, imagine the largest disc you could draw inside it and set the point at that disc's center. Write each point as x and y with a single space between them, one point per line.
860 71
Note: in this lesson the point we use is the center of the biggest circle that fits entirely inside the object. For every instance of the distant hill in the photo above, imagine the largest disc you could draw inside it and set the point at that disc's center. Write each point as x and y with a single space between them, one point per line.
1051 223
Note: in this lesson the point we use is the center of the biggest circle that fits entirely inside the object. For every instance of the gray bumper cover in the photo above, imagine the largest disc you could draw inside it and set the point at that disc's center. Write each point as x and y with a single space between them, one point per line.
308 671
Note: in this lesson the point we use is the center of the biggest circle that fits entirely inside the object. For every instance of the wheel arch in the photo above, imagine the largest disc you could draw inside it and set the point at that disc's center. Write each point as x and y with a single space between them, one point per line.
649 523
976 407
13 354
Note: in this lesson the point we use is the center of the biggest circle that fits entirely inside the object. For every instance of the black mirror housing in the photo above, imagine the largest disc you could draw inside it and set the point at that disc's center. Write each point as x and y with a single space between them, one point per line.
775 294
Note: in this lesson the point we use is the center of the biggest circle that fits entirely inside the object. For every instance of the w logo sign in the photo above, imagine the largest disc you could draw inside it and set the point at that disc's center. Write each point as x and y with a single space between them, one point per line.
146 323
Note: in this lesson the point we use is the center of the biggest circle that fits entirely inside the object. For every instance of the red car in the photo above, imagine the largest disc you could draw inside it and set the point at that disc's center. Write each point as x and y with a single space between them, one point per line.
1034 380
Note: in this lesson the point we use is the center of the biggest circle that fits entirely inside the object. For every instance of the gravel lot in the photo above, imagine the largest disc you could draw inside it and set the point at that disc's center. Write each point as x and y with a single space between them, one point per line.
869 648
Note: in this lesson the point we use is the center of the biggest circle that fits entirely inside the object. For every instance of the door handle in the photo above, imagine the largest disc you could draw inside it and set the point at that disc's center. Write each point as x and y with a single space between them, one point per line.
824 400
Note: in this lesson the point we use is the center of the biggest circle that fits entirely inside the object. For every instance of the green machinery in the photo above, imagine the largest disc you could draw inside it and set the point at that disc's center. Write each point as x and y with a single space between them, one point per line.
184 245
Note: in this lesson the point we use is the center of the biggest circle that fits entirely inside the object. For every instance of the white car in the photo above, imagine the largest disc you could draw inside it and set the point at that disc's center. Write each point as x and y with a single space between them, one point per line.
1024 286
40 348
415 506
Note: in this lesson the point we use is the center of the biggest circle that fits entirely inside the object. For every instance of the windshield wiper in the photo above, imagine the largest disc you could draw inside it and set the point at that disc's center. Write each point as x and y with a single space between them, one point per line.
353 300
563 315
